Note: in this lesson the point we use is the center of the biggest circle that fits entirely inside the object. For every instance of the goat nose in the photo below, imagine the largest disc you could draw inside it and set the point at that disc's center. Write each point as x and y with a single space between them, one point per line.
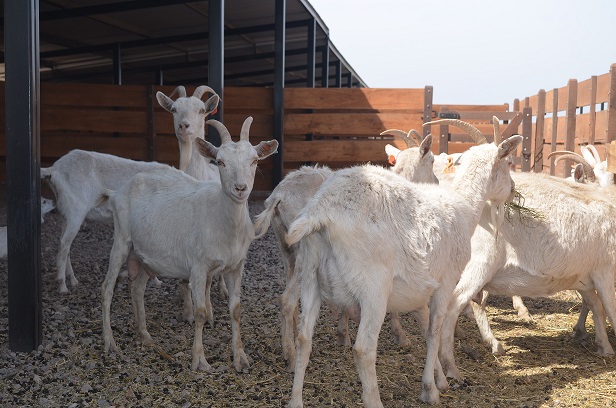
184 126
241 187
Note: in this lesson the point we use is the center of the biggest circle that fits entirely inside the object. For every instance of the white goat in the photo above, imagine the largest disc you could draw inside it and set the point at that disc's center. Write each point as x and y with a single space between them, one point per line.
378 242
184 228
189 115
571 248
47 205
291 195
80 177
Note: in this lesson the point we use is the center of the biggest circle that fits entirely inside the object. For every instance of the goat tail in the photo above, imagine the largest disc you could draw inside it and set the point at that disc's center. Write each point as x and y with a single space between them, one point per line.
104 198
264 219
302 226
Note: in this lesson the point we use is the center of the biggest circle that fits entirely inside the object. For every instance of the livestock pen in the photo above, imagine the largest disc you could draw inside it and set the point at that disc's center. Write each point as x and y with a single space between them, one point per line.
544 366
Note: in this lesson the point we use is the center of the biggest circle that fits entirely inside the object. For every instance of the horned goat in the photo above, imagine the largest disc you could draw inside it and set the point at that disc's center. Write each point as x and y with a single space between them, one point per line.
189 114
47 206
80 177
589 169
185 228
291 195
444 167
539 256
380 243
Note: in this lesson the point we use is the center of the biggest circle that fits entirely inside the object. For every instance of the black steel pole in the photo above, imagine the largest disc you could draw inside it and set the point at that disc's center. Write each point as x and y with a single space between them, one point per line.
216 66
21 40
279 64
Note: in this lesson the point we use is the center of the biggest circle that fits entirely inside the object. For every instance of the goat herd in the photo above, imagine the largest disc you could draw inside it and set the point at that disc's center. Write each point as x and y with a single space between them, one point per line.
432 236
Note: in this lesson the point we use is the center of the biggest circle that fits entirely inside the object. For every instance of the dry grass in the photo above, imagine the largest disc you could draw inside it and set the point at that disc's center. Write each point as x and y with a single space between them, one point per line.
544 366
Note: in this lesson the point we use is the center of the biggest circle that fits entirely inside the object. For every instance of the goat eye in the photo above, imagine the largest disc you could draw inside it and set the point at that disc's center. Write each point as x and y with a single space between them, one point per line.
173 110
220 163
201 111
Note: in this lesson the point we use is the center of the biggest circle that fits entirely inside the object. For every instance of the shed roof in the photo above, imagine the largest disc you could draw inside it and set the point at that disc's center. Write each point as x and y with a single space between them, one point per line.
166 42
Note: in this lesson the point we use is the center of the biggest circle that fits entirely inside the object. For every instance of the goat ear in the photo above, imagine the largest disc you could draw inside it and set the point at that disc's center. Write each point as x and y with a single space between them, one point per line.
206 149
507 146
392 153
164 101
578 173
425 145
211 105
265 149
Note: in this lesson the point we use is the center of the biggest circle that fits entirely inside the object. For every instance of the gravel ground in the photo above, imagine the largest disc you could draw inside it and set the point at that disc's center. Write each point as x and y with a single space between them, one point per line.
544 365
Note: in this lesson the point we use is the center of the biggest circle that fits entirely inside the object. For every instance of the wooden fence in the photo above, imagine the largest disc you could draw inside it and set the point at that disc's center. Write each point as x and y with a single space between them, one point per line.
567 118
331 126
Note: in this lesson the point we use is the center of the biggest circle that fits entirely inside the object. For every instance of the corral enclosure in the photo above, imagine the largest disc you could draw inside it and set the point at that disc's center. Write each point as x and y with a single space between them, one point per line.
331 126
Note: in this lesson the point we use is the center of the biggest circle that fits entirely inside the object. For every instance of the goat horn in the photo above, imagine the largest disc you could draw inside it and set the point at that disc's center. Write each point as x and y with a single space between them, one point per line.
498 135
224 134
475 133
563 154
594 152
180 90
245 128
201 90
402 135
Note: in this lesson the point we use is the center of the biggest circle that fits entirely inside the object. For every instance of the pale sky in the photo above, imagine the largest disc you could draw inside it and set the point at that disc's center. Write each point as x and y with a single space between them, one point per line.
473 51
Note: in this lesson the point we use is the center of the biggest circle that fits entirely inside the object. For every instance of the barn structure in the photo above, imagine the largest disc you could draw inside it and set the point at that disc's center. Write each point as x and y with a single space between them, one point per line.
83 74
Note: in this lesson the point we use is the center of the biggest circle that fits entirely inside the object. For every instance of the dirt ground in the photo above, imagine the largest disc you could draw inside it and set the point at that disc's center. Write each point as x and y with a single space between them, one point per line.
544 366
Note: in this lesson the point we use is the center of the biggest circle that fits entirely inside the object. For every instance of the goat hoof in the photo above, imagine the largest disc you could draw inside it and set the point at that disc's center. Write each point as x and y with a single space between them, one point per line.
498 350
429 394
241 362
201 365
62 288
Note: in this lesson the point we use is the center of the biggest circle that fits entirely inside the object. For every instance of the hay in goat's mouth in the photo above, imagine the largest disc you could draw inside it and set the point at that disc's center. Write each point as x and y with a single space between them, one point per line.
516 208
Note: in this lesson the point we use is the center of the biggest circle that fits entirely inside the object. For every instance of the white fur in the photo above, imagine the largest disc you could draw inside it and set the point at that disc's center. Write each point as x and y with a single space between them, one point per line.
189 114
573 247
185 228
285 203
78 179
372 240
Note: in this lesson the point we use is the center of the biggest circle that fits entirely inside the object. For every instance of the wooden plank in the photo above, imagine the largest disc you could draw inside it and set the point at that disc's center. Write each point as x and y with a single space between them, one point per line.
554 129
585 92
95 120
357 151
611 121
603 87
94 95
527 130
368 124
570 122
485 116
472 108
592 120
354 98
539 139
611 157
248 99
427 113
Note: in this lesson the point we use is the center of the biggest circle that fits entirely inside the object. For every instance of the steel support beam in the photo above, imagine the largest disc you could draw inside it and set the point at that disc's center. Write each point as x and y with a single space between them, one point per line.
311 53
117 64
279 77
325 66
216 65
22 99
338 74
